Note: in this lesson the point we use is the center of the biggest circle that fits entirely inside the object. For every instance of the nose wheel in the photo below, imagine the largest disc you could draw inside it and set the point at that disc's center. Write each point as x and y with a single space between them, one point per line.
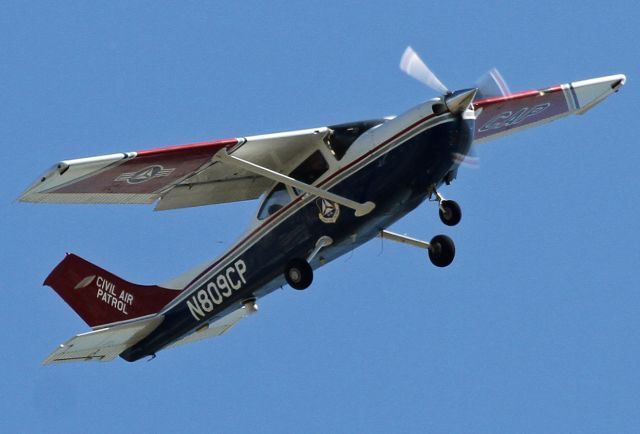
298 274
449 210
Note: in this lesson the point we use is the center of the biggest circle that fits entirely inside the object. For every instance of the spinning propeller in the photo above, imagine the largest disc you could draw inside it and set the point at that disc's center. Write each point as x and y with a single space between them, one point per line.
414 67
489 85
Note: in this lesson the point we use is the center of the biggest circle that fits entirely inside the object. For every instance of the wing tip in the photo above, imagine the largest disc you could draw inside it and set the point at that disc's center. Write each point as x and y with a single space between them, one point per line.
593 91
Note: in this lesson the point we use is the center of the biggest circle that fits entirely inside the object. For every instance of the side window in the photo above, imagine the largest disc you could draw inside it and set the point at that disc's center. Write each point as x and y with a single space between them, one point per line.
310 169
278 198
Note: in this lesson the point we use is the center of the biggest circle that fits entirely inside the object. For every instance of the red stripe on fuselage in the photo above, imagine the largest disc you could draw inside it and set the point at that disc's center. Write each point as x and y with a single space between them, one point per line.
276 215
392 138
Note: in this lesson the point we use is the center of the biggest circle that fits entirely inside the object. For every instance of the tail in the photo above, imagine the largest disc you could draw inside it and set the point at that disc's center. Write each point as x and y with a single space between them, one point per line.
100 297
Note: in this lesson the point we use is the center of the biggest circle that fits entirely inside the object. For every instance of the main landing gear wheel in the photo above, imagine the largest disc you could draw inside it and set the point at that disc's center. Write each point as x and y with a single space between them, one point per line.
441 250
298 273
450 212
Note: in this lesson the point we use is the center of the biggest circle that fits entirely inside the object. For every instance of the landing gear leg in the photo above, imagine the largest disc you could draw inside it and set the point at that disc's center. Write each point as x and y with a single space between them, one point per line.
441 248
449 210
298 274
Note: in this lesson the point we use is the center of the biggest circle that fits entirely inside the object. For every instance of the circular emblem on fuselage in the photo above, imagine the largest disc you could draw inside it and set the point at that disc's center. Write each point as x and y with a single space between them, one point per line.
329 211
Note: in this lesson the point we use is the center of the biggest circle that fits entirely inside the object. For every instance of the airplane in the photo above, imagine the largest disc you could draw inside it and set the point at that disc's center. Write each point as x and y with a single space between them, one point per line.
325 191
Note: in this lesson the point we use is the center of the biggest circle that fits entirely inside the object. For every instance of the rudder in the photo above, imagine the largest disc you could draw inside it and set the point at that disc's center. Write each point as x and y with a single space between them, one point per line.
100 297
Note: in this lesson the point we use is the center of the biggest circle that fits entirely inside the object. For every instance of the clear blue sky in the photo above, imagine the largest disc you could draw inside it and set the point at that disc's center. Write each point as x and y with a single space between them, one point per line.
534 328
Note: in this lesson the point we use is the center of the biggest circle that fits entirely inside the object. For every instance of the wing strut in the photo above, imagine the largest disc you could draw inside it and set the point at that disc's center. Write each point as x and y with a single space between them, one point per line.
403 239
360 209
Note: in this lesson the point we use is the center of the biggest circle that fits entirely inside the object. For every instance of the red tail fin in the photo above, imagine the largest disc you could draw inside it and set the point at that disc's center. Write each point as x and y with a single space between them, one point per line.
100 297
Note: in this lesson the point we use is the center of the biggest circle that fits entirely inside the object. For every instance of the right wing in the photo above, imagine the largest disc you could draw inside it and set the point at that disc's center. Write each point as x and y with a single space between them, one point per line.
177 176
499 116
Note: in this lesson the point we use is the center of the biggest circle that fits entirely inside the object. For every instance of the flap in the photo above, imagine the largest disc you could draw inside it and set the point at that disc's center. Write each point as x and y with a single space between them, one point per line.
220 183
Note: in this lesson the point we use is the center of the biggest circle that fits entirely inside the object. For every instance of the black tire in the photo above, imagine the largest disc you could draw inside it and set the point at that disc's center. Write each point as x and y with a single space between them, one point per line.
450 212
298 274
442 251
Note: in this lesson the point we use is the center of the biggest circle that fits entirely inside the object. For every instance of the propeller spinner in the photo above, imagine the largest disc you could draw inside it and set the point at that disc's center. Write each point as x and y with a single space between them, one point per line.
489 85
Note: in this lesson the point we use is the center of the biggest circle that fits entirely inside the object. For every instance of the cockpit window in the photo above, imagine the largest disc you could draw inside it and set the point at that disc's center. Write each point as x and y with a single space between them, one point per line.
278 198
342 136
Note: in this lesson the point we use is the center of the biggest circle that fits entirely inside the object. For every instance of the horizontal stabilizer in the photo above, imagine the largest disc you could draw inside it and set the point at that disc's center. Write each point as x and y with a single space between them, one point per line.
100 297
105 344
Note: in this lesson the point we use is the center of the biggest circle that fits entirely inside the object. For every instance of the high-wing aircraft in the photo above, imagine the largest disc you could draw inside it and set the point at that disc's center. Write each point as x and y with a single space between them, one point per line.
325 191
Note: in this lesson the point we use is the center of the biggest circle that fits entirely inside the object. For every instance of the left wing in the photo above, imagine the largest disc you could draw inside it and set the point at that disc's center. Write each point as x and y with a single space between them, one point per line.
499 116
177 176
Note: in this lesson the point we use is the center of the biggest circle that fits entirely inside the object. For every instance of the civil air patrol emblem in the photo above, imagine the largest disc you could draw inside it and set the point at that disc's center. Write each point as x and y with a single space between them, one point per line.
329 211
144 175
85 282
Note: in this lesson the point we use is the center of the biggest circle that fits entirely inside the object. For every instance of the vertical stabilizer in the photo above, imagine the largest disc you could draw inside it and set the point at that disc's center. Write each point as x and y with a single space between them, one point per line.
100 297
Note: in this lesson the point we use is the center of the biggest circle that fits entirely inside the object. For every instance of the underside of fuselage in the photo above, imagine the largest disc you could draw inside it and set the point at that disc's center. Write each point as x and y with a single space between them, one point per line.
397 181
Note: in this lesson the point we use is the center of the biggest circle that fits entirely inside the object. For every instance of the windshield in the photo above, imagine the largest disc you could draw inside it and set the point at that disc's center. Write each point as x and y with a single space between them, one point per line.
342 136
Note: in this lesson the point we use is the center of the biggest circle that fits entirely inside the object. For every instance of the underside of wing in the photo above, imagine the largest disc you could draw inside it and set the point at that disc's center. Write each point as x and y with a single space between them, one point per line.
132 177
175 177
220 183
499 116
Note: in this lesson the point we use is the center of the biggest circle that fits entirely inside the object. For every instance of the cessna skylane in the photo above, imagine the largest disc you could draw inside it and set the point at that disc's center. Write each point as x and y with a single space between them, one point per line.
325 191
